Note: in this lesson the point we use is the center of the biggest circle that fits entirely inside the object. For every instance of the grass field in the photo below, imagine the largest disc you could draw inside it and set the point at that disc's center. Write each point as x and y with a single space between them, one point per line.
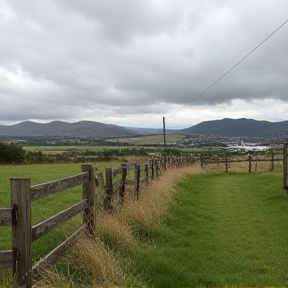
64 149
47 206
224 230
151 139
220 230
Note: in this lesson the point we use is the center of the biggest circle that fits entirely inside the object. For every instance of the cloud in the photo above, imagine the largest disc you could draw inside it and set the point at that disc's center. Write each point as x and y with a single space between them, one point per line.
104 60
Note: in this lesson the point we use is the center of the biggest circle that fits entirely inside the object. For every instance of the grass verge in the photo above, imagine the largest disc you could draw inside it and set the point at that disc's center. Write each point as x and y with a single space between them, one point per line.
106 260
224 230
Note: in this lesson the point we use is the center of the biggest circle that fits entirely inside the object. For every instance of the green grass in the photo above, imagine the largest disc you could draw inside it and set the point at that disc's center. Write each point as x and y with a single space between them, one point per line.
46 207
224 230
60 149
151 139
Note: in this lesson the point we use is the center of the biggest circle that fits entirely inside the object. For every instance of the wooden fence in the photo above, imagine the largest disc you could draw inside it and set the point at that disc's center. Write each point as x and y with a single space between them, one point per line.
250 159
22 195
23 234
113 191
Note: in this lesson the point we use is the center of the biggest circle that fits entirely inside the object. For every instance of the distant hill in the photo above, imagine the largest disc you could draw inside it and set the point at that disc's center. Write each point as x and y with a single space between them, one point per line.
238 128
87 129
58 128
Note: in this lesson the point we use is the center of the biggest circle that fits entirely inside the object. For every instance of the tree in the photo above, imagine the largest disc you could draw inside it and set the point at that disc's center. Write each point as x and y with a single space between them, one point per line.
11 153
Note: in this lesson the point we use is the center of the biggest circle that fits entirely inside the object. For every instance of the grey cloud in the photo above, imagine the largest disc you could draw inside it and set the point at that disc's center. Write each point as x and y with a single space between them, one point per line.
60 57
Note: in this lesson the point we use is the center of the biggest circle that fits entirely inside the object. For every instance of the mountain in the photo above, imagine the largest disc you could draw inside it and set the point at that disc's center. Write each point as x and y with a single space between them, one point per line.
58 128
238 128
87 129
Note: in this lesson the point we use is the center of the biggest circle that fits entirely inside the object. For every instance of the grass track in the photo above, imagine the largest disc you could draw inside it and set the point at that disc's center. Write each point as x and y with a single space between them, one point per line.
225 230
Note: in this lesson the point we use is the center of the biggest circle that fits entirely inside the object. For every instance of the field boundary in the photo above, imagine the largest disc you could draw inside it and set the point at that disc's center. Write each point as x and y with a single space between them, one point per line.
97 191
23 194
225 160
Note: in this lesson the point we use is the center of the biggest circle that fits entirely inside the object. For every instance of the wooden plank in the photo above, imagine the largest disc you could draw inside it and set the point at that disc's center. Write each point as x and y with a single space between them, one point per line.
51 258
239 161
21 231
42 190
6 259
51 223
5 216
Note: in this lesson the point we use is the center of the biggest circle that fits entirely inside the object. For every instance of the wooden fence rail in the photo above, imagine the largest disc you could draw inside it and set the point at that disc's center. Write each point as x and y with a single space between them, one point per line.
23 194
23 234
250 160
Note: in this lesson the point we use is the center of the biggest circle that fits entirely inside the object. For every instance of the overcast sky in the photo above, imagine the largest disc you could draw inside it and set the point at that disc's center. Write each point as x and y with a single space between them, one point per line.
131 62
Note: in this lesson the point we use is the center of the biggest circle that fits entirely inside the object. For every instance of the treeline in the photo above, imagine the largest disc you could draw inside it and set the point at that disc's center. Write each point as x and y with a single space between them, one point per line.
12 153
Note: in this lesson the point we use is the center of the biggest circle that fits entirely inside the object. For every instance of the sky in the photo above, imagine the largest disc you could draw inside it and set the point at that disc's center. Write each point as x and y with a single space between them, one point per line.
132 62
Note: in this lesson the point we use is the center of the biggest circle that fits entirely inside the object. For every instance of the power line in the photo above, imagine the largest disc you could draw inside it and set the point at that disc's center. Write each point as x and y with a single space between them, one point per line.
199 95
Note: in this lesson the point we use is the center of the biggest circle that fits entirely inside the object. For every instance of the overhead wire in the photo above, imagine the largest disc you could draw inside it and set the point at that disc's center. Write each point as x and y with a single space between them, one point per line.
219 79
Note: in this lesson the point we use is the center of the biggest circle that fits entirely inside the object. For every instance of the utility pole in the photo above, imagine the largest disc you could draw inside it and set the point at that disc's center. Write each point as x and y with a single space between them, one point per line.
164 132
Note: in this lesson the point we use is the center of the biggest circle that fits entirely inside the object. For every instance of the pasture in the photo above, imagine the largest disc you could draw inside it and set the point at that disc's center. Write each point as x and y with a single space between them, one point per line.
44 208
59 149
151 139
192 228
222 230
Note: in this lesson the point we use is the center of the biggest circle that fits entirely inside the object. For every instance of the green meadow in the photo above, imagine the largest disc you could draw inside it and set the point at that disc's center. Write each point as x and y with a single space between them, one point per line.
46 207
222 230
219 229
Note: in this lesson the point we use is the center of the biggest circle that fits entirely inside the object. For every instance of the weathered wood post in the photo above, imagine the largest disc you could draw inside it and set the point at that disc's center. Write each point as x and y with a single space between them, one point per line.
21 231
89 193
202 161
108 190
146 169
152 168
250 163
226 164
285 165
272 161
137 180
157 168
165 162
122 186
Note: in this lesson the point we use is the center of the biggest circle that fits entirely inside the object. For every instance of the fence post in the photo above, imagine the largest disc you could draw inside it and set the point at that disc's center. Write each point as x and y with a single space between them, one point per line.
21 231
122 187
226 163
157 168
165 162
250 163
88 192
146 174
108 189
152 169
272 162
137 180
285 165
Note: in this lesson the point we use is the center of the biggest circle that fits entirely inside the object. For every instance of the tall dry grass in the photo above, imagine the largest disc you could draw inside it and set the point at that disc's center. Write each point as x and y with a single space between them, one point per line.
101 261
